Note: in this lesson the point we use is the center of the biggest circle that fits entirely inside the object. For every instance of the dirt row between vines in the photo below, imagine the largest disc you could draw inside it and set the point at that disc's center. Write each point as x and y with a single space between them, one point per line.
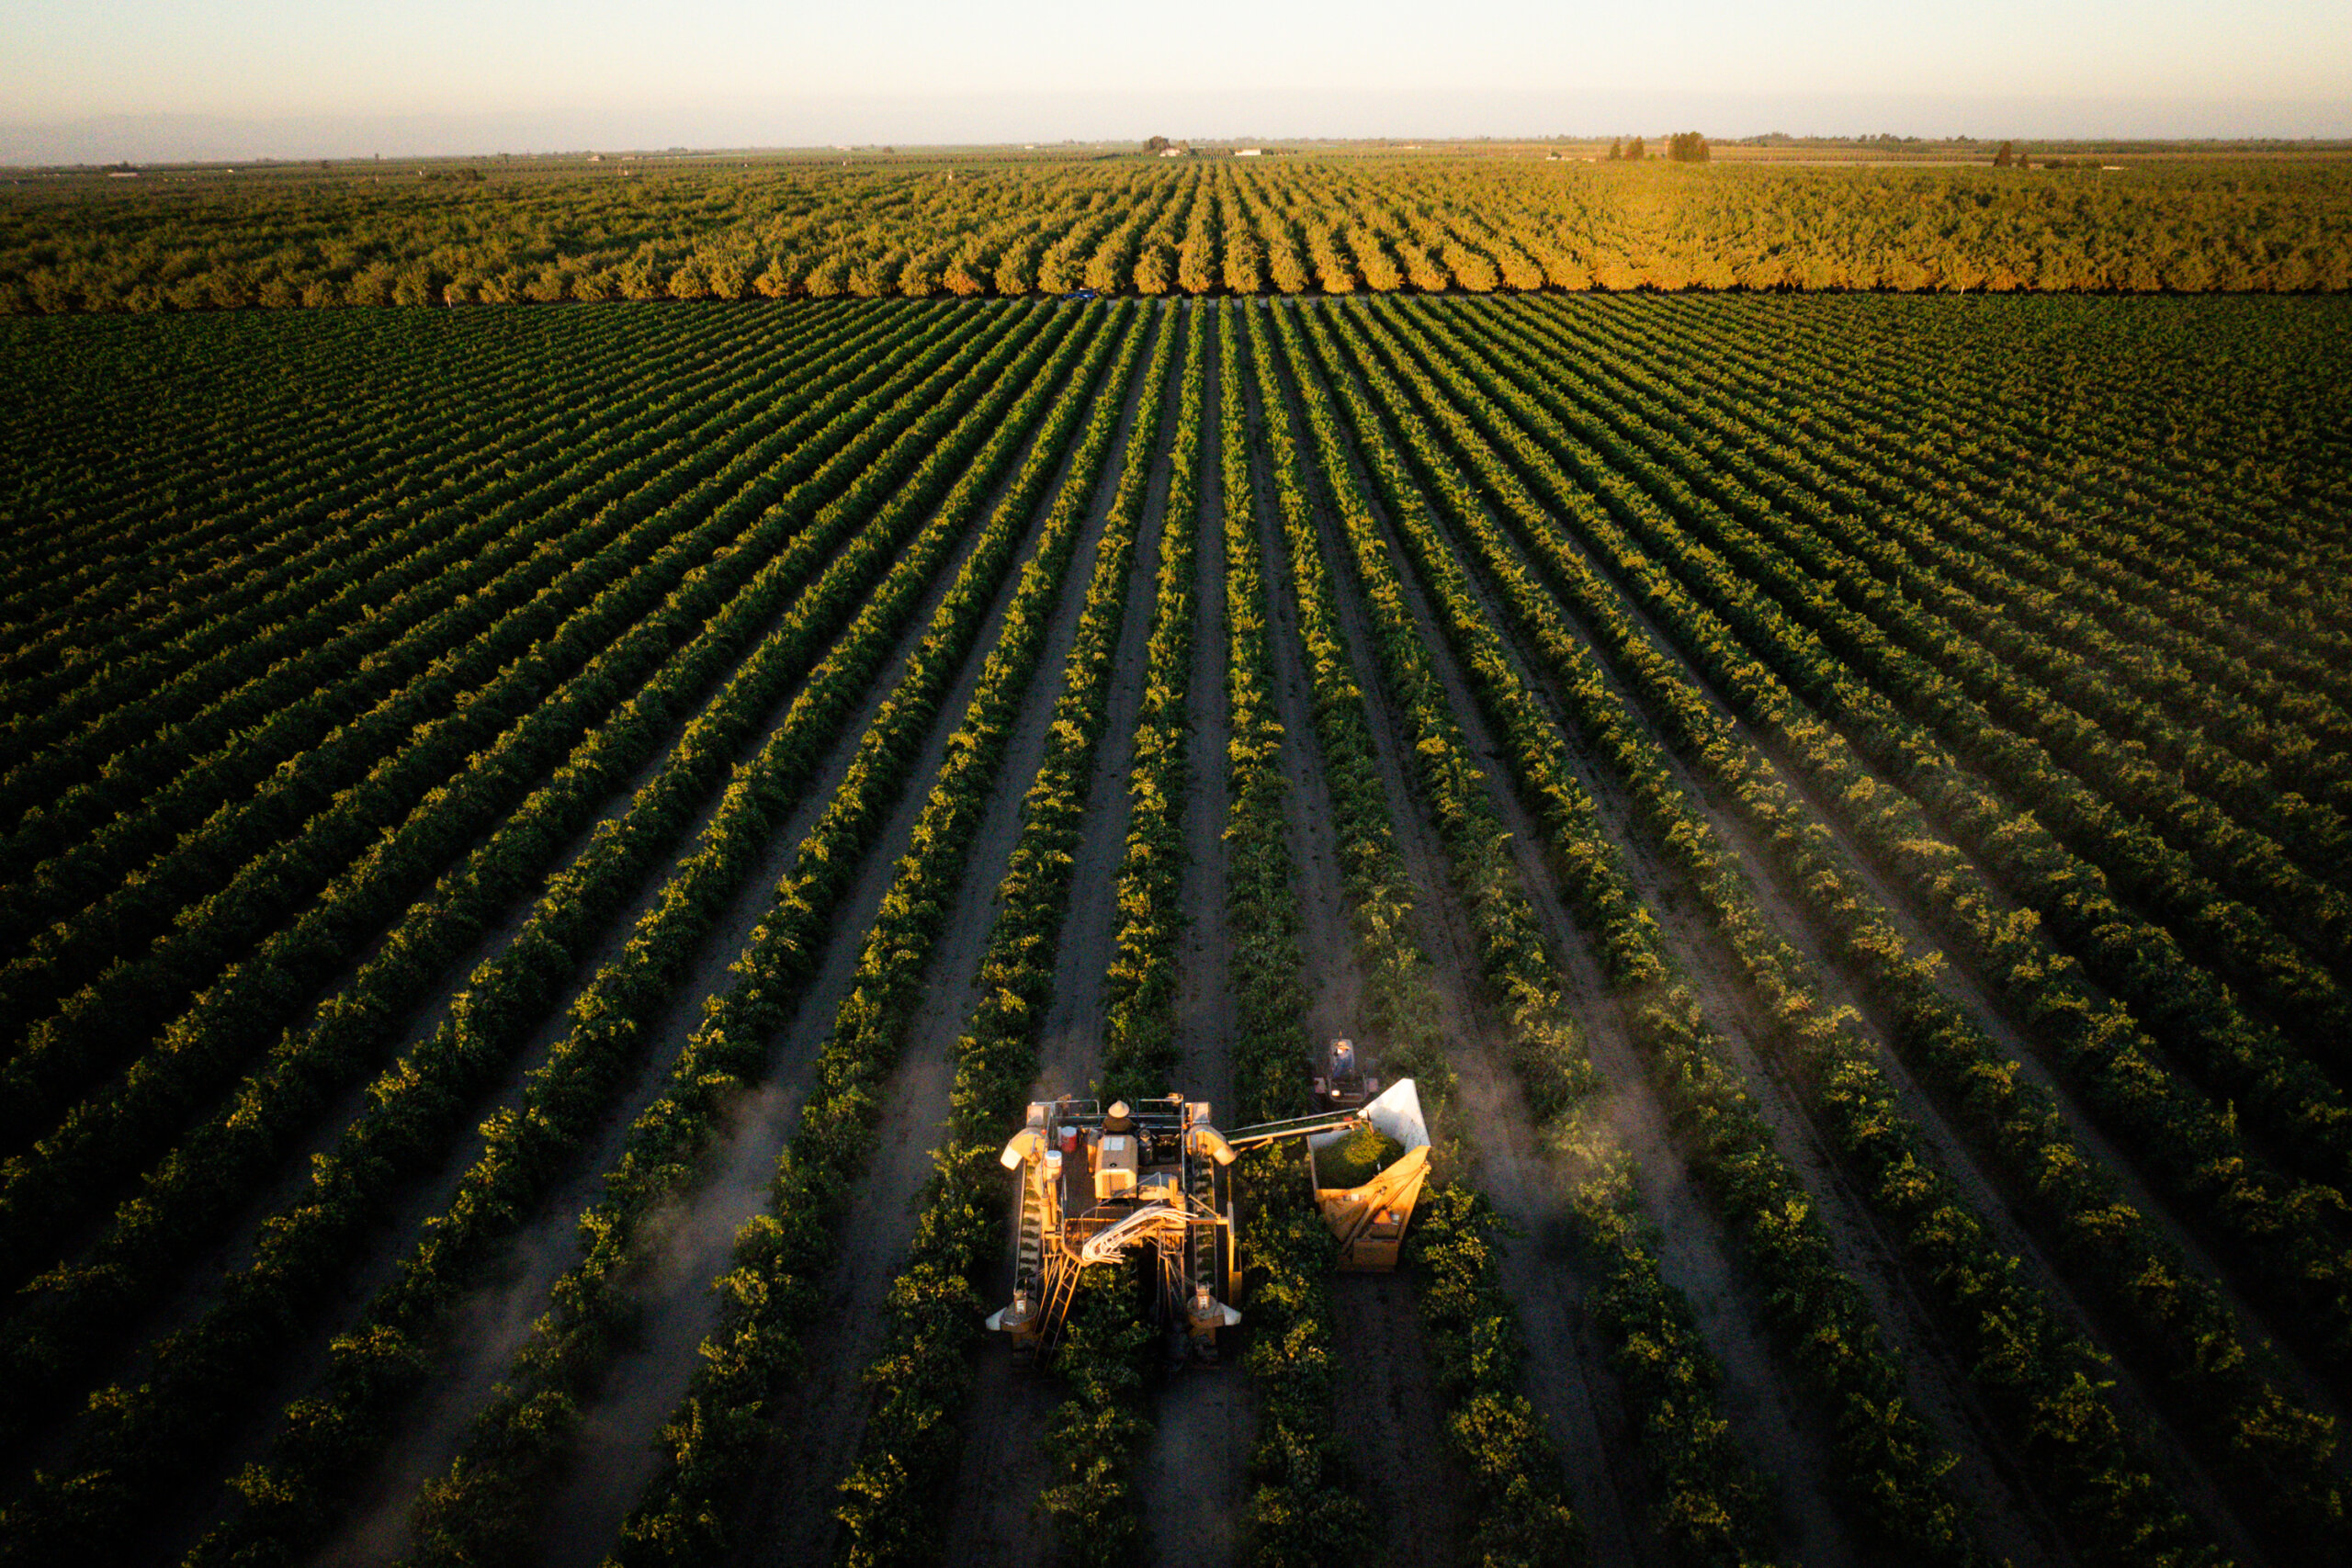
818 1420
1802 1473
195 1287
1993 1193
1193 1489
617 1456
1786 1440
993 1516
494 1323
1390 1425
1989 1475
2004 1023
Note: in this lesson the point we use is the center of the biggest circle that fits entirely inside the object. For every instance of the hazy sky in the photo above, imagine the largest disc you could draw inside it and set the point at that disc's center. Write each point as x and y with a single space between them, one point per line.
549 75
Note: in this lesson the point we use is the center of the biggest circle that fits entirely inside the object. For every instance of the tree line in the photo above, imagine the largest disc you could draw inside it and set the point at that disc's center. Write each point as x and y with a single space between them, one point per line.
1144 228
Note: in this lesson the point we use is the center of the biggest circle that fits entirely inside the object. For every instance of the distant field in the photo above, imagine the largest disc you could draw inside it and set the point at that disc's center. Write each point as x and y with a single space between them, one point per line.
667 228
543 851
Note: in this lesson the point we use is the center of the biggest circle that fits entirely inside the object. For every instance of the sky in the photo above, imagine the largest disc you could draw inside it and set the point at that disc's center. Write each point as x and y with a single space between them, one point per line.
102 79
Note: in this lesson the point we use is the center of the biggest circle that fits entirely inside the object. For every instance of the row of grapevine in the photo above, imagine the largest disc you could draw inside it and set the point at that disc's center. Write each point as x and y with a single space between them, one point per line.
458 668
1521 1510
1711 1507
2191 1142
420 1103
2182 1317
1097 1432
163 562
2179 857
2303 1112
159 478
1301 1510
1760 1191
2186 647
2083 446
80 1161
2035 1372
120 718
714 1438
607 1034
2048 643
1661 675
910 1441
484 1507
2182 544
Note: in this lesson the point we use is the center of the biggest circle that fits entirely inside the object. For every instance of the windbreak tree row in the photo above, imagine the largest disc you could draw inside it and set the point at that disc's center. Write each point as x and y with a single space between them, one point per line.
1291 221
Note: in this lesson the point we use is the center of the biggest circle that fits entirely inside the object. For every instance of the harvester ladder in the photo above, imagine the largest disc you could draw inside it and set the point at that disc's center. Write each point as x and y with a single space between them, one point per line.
1202 1240
1061 1285
1029 1256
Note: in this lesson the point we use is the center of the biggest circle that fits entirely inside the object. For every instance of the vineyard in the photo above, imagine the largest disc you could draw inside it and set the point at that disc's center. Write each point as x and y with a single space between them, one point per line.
372 234
545 852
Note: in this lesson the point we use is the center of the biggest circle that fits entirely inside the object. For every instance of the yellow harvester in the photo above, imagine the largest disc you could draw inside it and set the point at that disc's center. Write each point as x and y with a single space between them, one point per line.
1098 1183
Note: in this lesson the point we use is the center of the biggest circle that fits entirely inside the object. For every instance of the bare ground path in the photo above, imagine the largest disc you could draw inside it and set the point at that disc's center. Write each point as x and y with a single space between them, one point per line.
618 1453
496 1320
1801 1473
1566 1371
196 1285
1195 1484
1390 1424
484 1330
790 1519
1003 1466
1993 1192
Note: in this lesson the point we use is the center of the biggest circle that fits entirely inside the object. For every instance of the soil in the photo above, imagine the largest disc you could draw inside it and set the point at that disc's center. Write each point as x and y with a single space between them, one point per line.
1195 1484
194 1288
1992 1196
1787 1442
488 1327
1389 1421
674 1294
1003 1466
1192 1482
1987 1475
1194 1487
821 1417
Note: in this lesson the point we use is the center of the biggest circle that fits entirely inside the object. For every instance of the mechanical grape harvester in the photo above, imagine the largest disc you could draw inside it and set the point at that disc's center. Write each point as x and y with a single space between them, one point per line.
1098 1183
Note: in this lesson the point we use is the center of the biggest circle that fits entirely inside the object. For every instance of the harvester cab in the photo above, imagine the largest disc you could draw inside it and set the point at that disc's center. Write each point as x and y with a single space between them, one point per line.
1098 1183
1344 1083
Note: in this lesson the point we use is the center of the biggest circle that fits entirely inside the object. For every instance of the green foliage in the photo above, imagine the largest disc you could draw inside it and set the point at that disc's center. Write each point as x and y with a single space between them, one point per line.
1357 1158
354 238
313 703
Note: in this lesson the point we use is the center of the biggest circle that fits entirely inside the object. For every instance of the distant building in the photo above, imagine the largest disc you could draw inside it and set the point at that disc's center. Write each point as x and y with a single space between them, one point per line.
596 157
1246 151
1171 152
